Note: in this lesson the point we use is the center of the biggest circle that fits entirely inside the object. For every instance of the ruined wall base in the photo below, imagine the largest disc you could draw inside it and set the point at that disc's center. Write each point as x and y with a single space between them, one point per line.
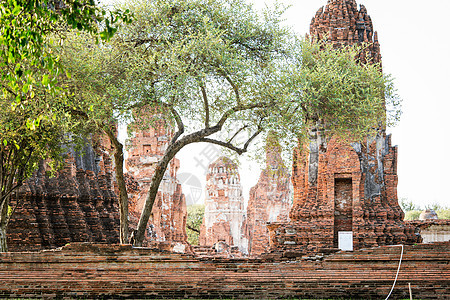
113 271
318 237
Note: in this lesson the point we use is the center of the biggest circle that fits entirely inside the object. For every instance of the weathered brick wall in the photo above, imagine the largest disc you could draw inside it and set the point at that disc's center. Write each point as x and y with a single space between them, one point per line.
269 200
101 271
432 230
374 219
77 205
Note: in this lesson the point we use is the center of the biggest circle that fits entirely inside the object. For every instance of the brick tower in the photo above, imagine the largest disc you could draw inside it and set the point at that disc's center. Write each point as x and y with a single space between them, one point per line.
345 196
224 219
270 199
169 213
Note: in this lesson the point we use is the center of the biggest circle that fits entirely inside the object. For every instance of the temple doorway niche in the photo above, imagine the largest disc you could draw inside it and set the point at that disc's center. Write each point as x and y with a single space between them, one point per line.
343 213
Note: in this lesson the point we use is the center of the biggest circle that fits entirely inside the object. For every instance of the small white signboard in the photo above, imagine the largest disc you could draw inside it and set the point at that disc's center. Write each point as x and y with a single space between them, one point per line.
345 240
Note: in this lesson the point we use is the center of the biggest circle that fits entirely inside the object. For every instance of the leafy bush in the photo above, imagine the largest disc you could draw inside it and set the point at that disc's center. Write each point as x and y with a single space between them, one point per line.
443 213
195 215
412 215
407 205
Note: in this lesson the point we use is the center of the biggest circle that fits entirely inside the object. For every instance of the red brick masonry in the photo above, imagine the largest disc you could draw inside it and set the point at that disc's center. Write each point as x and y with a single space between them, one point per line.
105 271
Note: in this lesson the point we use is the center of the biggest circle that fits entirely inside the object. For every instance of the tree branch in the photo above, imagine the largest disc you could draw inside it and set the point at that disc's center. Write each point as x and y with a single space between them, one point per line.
205 104
238 108
230 145
192 228
237 132
233 85
9 90
179 121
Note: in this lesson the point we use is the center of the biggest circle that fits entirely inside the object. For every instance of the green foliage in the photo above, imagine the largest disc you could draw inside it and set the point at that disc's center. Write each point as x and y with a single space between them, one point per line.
24 25
407 205
36 115
412 214
10 210
195 215
443 211
331 90
436 206
443 214
175 50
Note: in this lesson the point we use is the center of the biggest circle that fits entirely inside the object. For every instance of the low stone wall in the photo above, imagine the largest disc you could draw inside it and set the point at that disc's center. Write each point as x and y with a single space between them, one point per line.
111 271
432 230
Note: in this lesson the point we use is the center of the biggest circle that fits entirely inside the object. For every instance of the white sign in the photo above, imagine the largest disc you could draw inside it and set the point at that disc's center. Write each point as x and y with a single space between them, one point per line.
345 240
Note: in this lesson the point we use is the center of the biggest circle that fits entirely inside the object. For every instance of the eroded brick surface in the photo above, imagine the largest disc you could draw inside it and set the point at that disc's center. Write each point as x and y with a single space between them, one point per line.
78 204
269 201
340 187
105 271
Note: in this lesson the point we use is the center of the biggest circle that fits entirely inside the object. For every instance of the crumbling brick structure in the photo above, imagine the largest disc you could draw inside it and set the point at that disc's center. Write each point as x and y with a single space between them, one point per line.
342 24
169 212
344 193
224 219
90 271
432 230
270 199
77 205
80 203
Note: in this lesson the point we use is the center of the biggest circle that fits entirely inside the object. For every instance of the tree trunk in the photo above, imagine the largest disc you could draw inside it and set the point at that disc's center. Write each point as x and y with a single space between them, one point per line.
161 168
3 226
139 234
3 244
172 150
123 195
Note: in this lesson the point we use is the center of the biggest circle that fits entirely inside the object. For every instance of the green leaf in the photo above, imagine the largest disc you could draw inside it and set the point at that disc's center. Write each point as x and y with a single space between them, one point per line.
16 10
45 80
25 88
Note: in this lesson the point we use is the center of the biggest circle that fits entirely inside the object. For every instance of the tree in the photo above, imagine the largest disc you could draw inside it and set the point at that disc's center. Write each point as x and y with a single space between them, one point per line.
217 72
97 83
216 66
408 205
194 220
35 112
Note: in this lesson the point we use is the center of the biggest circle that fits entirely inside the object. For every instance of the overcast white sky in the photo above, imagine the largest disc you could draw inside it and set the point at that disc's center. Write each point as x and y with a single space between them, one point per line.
415 46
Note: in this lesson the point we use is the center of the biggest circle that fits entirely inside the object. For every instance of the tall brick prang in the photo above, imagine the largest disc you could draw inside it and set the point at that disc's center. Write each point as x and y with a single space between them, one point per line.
224 219
345 195
342 24
169 212
270 199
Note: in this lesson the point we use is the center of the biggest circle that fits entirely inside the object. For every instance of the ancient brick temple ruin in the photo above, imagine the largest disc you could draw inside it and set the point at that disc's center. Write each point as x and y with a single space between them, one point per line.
224 219
270 199
345 196
80 203
169 213
341 24
77 205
